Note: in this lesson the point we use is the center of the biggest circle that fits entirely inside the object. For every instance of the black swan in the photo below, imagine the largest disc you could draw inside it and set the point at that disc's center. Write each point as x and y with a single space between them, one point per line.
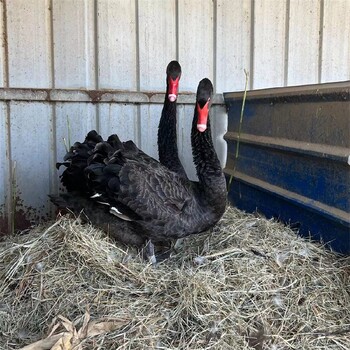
167 138
157 203
76 159
147 199
75 162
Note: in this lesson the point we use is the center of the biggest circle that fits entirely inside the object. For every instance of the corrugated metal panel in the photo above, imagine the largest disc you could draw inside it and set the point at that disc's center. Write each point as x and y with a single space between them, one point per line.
2 49
195 41
4 168
32 156
29 43
233 44
121 119
336 41
73 27
185 113
156 41
269 43
149 128
219 129
304 34
294 157
117 47
114 44
126 44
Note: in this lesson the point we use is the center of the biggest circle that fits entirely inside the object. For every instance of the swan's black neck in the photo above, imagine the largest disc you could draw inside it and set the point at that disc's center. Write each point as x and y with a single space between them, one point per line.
204 155
209 171
167 138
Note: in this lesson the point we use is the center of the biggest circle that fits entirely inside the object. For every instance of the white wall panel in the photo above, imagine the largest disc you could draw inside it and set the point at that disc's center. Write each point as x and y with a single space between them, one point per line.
269 43
233 40
29 43
157 42
136 39
149 120
119 119
74 43
303 44
4 162
196 52
116 45
2 49
32 151
218 118
336 41
185 117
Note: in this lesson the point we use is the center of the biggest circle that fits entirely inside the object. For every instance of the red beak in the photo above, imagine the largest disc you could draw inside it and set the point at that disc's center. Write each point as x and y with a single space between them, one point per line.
173 88
202 117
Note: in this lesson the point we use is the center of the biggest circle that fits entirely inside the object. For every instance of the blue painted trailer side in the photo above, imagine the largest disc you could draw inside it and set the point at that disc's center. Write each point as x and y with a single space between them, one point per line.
308 222
293 162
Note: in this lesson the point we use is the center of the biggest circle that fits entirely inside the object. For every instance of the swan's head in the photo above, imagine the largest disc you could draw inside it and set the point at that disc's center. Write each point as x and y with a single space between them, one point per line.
203 98
173 73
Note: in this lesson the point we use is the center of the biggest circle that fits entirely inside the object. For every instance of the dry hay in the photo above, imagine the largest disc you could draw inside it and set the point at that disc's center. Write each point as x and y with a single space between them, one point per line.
250 283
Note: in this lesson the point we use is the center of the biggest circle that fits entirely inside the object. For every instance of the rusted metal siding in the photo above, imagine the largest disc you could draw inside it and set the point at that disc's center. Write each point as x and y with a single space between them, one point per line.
125 45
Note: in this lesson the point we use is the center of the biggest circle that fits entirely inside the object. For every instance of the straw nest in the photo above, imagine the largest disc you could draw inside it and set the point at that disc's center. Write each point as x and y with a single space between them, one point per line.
250 283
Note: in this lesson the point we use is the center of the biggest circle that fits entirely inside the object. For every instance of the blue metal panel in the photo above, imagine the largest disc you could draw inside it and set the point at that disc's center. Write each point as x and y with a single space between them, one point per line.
307 221
294 154
316 178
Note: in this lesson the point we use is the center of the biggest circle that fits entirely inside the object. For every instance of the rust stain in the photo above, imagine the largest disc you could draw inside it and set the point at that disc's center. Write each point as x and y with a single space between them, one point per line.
95 95
3 226
48 95
3 219
21 219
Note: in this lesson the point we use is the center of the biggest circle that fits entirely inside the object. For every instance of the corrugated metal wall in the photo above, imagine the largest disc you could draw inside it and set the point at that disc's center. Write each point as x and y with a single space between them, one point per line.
125 45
